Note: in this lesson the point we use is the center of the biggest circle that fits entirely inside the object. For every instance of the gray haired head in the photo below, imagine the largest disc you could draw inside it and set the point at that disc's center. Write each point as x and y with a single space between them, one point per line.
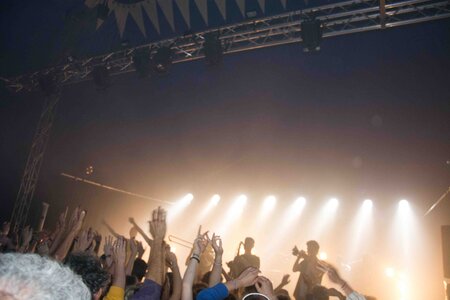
32 277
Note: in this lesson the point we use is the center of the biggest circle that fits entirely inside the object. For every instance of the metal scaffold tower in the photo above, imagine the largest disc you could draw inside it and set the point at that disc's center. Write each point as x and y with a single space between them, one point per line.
336 19
32 168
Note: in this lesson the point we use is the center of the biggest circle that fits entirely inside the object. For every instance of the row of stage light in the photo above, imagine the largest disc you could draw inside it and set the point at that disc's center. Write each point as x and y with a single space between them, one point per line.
270 202
403 227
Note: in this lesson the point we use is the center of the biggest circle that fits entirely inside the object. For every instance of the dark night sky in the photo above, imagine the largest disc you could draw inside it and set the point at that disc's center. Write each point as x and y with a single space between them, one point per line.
369 116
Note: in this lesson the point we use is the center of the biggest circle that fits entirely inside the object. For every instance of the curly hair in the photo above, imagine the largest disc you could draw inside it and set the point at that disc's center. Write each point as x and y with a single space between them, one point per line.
32 277
90 270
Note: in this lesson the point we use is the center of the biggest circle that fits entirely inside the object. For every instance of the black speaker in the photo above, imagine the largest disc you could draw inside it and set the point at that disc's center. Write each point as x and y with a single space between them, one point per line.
446 249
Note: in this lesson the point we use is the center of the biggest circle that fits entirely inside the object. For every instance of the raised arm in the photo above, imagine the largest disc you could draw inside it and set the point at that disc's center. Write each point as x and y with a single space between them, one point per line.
83 242
58 234
158 229
284 281
133 252
75 224
117 289
189 275
111 230
152 287
171 259
334 277
264 286
147 239
216 272
220 291
120 250
300 255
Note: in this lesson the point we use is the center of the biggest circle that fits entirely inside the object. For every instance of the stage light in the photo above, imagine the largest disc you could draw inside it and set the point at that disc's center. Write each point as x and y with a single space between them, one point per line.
269 203
367 205
403 205
215 199
179 206
332 204
186 200
141 62
390 272
162 60
311 33
212 47
323 256
242 200
299 203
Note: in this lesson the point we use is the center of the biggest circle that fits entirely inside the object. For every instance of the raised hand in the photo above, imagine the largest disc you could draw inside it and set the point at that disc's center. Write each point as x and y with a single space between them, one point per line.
97 237
264 286
158 226
119 251
216 243
77 219
84 241
285 280
200 244
171 258
131 220
248 277
331 271
108 247
62 219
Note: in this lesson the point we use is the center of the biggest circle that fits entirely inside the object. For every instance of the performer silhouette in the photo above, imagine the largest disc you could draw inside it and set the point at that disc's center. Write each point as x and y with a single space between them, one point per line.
310 275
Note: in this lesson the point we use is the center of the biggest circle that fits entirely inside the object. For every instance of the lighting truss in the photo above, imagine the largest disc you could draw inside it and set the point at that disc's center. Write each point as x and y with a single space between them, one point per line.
34 162
337 19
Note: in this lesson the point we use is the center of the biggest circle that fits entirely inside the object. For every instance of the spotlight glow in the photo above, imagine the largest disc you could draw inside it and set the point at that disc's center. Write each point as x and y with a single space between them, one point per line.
390 272
188 198
215 199
178 207
241 201
367 205
291 215
233 213
299 203
269 203
360 230
403 205
323 256
333 203
405 232
325 217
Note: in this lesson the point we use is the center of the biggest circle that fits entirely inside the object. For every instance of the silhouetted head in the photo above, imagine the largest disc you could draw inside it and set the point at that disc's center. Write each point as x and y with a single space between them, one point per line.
312 247
139 269
249 244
